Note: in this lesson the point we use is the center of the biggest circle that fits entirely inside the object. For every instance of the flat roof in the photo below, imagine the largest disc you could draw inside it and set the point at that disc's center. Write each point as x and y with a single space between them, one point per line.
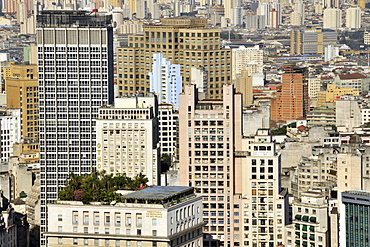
157 192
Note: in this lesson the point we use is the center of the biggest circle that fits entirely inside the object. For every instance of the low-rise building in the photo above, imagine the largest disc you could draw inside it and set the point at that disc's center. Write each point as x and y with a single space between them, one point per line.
160 216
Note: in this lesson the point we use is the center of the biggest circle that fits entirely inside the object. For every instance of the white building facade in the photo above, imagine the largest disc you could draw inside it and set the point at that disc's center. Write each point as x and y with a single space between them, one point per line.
127 137
159 219
10 127
165 80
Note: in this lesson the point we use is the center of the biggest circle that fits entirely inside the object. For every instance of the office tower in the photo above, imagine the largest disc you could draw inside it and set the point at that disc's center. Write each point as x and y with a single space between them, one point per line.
353 18
244 85
332 18
311 223
22 93
127 137
182 40
242 56
354 230
209 132
168 130
265 203
10 127
165 80
311 41
160 216
75 52
291 101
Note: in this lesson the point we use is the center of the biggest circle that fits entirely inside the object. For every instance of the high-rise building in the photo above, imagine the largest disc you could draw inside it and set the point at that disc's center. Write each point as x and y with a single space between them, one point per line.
332 18
354 229
127 137
75 59
311 41
353 18
292 101
10 129
22 93
242 56
168 130
209 132
165 80
265 202
182 40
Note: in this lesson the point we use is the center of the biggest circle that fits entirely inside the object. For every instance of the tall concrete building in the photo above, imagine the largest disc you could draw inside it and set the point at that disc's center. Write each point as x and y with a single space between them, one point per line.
127 137
22 93
75 59
353 18
291 101
210 131
10 129
168 130
182 40
265 202
242 56
311 41
165 80
332 18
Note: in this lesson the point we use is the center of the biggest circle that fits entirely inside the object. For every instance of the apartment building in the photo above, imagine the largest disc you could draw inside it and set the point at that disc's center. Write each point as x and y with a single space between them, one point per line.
210 130
311 226
285 107
159 216
127 137
182 40
10 129
168 130
265 203
22 93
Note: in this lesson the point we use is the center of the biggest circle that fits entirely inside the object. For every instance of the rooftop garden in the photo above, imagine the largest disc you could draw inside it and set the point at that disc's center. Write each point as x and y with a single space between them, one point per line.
99 187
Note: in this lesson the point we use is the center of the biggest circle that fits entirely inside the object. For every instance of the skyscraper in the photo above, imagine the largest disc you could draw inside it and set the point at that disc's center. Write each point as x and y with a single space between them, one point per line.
182 40
291 101
75 59
210 131
332 18
353 18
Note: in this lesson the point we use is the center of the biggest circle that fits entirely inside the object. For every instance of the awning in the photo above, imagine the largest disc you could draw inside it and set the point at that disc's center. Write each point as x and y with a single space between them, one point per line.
305 218
304 228
298 216
304 235
304 243
313 219
312 228
297 226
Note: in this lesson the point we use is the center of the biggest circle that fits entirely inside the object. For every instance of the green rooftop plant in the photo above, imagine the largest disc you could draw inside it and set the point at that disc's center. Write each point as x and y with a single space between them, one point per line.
99 186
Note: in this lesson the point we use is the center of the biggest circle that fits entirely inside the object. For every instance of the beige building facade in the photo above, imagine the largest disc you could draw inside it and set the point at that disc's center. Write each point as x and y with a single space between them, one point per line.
210 130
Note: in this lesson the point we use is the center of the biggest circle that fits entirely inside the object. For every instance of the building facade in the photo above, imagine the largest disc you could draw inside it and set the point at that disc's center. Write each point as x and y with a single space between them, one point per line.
182 40
10 127
75 65
265 202
209 132
168 130
294 83
165 80
162 216
22 93
127 137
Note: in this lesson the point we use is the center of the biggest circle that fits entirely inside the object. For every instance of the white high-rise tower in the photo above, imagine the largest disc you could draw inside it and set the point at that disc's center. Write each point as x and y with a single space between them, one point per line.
75 59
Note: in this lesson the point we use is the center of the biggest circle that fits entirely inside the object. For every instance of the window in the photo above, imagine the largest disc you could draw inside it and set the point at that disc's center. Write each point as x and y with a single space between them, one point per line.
75 217
107 242
154 232
139 244
128 243
75 241
75 229
86 241
96 242
60 217
60 228
86 229
154 221
118 243
60 240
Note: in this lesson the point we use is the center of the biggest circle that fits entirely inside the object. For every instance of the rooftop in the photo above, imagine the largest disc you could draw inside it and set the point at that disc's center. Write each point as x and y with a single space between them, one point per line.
159 193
